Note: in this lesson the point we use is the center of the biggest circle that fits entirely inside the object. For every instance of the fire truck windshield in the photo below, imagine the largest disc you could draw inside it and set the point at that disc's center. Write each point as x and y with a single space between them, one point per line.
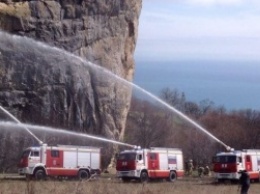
127 156
225 159
26 153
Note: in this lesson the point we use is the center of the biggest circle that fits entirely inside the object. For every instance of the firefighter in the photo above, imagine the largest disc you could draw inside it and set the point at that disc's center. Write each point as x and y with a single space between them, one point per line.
200 171
190 167
244 181
206 171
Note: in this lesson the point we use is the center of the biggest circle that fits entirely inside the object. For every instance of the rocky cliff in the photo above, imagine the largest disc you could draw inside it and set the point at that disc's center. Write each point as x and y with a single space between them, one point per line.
43 85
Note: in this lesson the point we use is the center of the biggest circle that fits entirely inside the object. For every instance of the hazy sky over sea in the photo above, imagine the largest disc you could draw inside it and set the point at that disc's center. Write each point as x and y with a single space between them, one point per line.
199 30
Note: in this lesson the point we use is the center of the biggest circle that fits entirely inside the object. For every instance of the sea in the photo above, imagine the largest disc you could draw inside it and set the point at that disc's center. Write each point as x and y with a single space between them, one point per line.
234 85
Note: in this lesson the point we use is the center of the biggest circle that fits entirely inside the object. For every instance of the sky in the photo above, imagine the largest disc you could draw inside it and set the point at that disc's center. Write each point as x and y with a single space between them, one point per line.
199 30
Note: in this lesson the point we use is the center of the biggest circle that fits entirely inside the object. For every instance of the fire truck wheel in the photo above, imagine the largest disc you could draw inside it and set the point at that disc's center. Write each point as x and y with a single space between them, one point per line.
144 177
172 176
39 175
83 175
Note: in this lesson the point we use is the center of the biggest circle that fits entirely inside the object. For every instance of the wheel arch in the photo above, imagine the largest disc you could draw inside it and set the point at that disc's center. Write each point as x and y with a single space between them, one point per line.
144 179
88 169
39 168
173 175
145 170
84 173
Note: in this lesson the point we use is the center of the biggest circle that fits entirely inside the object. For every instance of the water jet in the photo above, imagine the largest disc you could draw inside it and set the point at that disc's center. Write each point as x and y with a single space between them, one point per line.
18 122
112 75
60 131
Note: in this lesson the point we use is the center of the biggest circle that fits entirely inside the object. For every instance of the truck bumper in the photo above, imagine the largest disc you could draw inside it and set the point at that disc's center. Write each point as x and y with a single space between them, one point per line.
130 174
230 176
24 171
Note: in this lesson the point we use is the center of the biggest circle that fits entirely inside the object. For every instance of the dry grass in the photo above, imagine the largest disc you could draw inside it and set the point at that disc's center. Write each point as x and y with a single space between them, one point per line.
107 185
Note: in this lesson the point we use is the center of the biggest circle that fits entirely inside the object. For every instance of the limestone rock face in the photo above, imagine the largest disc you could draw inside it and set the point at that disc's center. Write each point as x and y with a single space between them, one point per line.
43 85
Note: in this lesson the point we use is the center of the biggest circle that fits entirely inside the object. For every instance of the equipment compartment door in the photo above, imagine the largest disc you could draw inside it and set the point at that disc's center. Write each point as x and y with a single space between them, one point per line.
153 164
248 163
54 161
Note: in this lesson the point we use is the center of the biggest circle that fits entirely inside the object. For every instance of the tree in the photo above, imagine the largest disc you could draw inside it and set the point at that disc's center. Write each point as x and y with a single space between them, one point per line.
146 126
250 120
205 106
173 98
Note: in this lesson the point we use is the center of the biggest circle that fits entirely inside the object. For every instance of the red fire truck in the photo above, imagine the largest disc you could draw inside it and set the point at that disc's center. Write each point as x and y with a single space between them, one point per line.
59 161
153 163
226 165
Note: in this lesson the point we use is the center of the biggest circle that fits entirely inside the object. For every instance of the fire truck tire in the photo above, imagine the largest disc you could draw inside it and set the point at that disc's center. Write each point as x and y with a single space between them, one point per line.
144 177
39 175
83 175
172 176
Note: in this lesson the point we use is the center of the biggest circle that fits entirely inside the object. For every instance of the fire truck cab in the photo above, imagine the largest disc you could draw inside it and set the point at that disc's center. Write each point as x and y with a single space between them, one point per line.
153 163
59 161
226 165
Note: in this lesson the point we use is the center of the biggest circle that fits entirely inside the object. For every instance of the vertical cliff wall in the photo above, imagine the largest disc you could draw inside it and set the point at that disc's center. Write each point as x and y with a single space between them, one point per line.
44 88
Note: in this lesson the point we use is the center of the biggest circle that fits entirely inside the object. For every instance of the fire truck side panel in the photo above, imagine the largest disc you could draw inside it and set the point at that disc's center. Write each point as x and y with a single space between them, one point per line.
173 159
154 169
164 165
89 157
254 163
174 156
54 158
153 161
255 155
251 163
180 162
95 160
60 160
55 162
70 159
163 161
258 162
84 158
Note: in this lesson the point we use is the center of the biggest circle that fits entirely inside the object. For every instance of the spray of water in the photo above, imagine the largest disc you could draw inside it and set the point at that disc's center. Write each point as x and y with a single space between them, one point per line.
60 131
18 122
109 73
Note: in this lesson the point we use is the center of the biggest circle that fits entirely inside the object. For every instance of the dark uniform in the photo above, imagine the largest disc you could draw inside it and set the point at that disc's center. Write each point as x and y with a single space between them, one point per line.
200 171
244 181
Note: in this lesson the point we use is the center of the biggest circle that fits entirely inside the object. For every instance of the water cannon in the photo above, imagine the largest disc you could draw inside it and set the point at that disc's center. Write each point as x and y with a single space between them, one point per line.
137 147
41 143
229 149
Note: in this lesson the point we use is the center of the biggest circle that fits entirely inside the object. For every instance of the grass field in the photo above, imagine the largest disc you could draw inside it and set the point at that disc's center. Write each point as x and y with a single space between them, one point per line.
107 185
